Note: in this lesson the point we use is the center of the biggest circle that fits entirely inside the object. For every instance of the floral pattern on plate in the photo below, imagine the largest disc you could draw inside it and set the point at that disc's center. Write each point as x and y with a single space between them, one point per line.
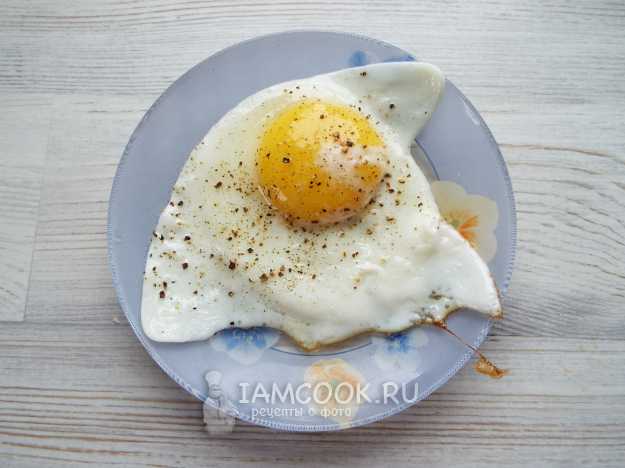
361 58
474 216
399 351
245 345
334 386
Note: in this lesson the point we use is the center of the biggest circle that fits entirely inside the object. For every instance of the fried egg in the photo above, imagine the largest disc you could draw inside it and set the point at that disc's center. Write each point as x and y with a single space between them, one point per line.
302 209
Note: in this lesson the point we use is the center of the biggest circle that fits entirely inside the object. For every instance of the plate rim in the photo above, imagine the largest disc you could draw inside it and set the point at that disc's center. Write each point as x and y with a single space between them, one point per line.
459 364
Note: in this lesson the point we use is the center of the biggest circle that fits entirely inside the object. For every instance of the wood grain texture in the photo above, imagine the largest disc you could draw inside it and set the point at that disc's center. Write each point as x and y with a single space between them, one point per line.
21 172
77 387
71 280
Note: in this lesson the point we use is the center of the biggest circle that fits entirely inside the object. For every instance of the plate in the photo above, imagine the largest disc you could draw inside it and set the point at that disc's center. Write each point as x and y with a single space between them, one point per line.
251 371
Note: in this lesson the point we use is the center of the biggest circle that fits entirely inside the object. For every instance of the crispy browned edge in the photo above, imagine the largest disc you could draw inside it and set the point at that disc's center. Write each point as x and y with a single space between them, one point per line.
427 321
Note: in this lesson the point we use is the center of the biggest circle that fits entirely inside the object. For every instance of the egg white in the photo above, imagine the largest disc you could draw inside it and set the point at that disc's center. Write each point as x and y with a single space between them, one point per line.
221 257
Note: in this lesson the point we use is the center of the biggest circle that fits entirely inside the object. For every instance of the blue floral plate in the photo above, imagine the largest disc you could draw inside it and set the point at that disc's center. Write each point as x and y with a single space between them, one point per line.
260 375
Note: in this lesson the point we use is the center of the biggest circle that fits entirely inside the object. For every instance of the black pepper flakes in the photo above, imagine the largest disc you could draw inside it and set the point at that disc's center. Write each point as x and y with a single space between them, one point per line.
364 73
185 265
218 184
391 106
187 238
161 294
436 296
180 203
286 160
232 265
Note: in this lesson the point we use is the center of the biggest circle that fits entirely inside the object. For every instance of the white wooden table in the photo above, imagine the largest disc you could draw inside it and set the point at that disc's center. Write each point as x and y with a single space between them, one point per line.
75 384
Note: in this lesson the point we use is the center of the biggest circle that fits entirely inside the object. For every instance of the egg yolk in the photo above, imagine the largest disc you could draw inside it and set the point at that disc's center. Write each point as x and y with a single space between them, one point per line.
320 162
